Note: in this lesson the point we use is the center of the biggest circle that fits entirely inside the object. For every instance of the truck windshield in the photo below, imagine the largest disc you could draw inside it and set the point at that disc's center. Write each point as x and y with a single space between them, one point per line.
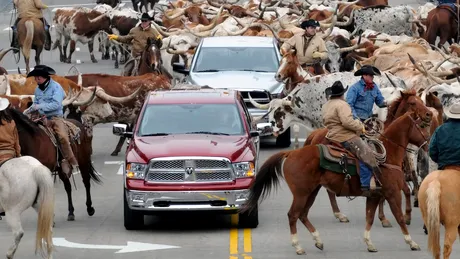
215 119
214 59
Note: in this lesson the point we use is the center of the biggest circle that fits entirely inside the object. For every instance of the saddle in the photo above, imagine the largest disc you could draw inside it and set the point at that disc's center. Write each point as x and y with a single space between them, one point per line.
451 7
335 158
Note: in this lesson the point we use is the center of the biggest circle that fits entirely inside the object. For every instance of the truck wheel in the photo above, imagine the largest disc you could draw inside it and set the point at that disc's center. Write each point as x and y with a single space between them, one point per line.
249 220
284 140
134 220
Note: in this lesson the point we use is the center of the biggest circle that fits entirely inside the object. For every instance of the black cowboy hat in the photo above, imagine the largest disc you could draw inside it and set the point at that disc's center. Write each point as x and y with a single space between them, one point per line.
368 70
336 89
309 23
41 70
146 17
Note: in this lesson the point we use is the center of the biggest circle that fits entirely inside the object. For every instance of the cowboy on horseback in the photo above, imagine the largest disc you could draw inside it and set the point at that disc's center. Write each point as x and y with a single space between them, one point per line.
445 142
138 37
30 9
310 47
9 139
364 93
48 102
344 129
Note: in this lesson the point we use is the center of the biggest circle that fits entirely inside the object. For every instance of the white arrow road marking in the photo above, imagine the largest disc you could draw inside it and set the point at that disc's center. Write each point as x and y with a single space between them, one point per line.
128 248
120 170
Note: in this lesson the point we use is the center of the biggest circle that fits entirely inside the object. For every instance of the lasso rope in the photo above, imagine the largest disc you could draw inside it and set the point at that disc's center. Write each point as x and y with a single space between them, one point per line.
376 128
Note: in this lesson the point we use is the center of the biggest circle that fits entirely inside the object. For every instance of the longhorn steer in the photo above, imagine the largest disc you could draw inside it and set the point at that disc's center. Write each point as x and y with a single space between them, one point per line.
121 86
78 24
111 3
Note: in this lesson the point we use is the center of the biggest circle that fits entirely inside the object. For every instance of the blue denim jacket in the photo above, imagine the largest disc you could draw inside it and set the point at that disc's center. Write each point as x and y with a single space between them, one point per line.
362 102
444 144
49 102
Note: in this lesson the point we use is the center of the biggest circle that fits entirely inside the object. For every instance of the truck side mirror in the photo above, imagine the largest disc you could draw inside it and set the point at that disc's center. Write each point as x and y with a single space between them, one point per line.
120 130
254 134
180 68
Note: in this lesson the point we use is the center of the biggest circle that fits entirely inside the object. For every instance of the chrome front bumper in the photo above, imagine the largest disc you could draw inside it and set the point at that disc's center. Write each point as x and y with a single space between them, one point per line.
186 200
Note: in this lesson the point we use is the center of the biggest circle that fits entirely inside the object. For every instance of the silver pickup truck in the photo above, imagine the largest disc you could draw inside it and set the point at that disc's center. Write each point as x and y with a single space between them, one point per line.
244 63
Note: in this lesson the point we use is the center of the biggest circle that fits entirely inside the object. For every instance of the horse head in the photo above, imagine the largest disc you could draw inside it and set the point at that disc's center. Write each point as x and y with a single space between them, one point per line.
152 56
409 102
290 72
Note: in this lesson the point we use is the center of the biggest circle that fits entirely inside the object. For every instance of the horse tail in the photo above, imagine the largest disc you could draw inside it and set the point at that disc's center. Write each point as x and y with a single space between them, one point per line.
93 174
433 216
266 177
45 200
27 45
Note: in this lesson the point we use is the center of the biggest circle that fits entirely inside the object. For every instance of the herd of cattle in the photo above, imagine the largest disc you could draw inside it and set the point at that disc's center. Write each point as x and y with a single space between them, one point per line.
356 33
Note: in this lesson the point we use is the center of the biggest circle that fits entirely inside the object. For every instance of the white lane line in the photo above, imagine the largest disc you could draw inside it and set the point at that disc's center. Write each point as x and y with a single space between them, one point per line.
120 170
113 162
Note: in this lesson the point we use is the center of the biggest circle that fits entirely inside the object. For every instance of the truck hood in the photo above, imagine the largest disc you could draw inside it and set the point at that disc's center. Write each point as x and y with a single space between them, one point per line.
238 79
231 147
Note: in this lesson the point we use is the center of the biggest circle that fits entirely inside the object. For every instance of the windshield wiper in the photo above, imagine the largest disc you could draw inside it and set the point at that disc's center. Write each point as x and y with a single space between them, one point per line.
209 70
155 134
208 132
255 70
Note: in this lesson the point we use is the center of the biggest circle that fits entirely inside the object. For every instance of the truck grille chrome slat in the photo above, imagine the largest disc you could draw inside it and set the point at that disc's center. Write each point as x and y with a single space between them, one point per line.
191 170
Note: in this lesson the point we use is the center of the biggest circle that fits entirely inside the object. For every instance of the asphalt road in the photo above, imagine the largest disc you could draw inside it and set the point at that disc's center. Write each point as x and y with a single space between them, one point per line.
194 237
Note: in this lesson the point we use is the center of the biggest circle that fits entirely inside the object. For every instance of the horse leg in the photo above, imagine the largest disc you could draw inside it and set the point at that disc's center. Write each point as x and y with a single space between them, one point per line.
394 200
297 206
38 52
68 190
450 236
385 222
335 208
85 169
408 214
304 219
14 221
371 207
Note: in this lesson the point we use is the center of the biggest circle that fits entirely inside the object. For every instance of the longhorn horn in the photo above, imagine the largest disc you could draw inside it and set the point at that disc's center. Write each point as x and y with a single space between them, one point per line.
391 81
174 16
106 97
86 102
351 48
3 52
71 99
258 105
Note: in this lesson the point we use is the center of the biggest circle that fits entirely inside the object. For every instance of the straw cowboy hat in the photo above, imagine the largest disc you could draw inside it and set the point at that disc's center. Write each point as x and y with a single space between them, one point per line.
4 103
336 89
453 111
41 70
367 70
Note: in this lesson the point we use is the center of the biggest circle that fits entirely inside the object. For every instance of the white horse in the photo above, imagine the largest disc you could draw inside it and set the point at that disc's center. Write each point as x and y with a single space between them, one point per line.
25 183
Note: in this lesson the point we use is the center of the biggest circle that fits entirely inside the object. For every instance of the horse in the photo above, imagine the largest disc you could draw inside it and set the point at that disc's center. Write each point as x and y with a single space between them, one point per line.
304 173
150 60
25 183
33 139
31 35
439 203
408 101
441 21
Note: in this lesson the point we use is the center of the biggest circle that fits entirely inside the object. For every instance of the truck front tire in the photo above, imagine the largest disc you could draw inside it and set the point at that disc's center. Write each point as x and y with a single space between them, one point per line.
249 220
134 220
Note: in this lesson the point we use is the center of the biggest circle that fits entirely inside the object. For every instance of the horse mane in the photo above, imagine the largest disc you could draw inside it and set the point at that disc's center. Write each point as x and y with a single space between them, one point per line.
24 122
395 104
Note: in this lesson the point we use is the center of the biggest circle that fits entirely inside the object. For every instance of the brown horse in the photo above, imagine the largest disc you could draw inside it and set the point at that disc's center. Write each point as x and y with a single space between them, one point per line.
439 198
408 101
441 21
305 176
31 35
34 140
150 60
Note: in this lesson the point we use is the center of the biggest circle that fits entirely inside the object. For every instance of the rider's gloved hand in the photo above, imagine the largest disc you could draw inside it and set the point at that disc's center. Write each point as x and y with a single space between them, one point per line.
319 55
159 37
112 37
32 108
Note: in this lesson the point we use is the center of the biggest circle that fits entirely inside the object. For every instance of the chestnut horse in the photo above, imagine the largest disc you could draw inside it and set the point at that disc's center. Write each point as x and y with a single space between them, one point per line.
31 35
33 141
408 101
304 176
439 198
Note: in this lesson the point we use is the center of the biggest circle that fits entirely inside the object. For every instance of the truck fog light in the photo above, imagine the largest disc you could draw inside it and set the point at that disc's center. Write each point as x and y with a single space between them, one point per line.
242 195
138 197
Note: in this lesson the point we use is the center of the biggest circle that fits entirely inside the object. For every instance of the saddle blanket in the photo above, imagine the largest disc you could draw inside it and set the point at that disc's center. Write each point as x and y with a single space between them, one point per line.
72 130
452 6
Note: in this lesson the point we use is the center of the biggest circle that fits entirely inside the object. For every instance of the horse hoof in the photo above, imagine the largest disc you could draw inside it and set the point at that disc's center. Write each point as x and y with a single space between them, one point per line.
386 224
67 61
320 246
91 211
71 218
300 252
94 60
344 220
372 249
415 204
408 222
415 248
114 153
425 230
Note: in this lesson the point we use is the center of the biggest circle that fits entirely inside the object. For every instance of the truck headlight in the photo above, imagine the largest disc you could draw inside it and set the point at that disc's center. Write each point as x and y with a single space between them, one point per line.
244 169
136 170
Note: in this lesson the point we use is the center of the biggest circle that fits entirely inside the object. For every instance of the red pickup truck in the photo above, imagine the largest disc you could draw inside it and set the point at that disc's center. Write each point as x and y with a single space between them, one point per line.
190 150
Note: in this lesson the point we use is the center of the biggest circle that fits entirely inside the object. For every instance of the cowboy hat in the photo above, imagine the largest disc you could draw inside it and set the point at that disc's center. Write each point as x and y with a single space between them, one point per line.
41 70
146 17
4 103
367 70
309 23
453 111
336 89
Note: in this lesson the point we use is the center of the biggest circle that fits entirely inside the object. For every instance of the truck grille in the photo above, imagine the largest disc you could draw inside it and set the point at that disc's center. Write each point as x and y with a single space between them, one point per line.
190 170
258 96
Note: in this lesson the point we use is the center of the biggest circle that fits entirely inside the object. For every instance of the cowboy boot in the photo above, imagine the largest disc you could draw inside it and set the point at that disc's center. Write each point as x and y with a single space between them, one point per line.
15 40
47 44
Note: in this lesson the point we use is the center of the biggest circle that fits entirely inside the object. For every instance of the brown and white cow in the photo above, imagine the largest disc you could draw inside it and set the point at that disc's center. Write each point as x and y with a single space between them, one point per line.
78 24
136 86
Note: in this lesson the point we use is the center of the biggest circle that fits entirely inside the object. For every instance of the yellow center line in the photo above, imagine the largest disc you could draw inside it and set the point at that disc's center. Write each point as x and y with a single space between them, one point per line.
247 240
234 237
